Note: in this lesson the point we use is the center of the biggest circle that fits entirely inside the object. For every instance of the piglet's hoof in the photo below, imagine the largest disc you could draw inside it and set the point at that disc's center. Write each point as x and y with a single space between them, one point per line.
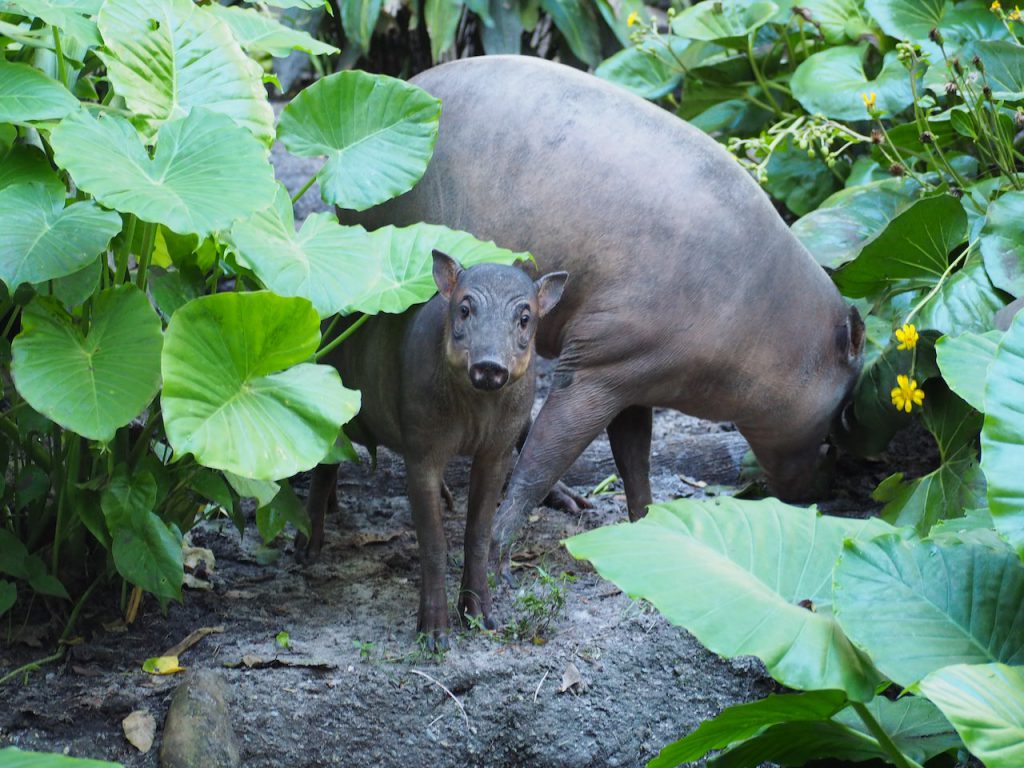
564 498
432 629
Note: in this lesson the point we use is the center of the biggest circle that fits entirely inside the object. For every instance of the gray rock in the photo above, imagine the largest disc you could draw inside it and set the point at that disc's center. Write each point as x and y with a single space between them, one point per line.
197 731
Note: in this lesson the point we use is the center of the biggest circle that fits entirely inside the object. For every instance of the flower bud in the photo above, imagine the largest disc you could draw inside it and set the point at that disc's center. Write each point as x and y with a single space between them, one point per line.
951 88
927 137
897 170
877 137
935 36
956 192
987 92
978 64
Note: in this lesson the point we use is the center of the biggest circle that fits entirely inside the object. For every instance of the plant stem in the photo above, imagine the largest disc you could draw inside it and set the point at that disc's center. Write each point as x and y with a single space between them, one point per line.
39 456
305 188
121 273
942 279
898 758
62 69
148 238
760 77
341 337
143 442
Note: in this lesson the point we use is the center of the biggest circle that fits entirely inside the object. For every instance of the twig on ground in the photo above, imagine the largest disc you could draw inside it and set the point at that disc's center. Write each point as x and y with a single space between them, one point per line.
537 692
443 688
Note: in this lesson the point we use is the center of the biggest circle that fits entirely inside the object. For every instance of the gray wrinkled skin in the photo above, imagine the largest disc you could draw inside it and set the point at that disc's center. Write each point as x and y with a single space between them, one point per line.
688 290
451 377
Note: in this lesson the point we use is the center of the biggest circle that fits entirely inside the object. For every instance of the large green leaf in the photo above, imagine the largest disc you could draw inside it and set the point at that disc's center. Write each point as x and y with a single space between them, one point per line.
127 497
237 393
8 596
91 381
964 361
914 246
1004 66
985 703
746 578
833 82
914 725
257 31
941 494
1002 243
966 301
27 94
359 19
577 22
640 71
505 33
907 19
331 265
724 21
941 604
837 231
23 164
12 757
147 553
166 57
378 134
206 171
42 240
442 17
742 721
403 256
1002 437
838 20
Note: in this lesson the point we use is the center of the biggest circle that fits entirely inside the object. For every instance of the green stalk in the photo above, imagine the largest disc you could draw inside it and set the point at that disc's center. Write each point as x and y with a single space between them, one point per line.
898 758
942 279
759 76
64 472
305 188
142 443
62 69
341 337
148 238
121 272
39 456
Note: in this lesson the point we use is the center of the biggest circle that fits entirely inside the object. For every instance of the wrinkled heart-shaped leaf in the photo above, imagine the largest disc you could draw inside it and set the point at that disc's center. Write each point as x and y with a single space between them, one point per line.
72 18
148 554
378 134
24 164
331 265
206 171
237 393
115 365
724 21
42 240
166 57
964 362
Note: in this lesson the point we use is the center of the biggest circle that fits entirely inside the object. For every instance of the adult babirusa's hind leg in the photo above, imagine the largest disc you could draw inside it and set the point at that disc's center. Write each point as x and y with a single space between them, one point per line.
323 498
630 437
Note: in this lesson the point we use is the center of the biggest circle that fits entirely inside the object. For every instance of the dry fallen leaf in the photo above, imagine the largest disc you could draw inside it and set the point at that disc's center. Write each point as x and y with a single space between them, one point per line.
193 556
370 537
192 638
139 729
571 678
162 665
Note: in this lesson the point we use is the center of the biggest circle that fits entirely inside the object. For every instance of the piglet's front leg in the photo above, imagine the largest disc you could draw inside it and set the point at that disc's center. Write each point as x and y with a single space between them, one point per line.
423 481
485 480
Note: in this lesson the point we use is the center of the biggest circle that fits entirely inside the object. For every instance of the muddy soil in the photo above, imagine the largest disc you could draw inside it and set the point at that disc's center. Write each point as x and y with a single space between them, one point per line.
354 688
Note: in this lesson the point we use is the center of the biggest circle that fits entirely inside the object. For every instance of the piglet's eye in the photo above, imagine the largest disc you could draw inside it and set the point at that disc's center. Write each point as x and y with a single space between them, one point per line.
524 320
464 311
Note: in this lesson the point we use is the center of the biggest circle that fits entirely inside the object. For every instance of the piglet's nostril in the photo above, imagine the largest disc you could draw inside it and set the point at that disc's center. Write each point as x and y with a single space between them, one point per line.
488 375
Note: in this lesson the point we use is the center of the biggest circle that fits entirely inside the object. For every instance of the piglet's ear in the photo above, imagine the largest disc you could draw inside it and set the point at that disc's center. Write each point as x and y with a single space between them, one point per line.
549 290
446 273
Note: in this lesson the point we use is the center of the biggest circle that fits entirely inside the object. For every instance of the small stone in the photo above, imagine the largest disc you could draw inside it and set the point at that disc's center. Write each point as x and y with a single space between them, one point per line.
197 731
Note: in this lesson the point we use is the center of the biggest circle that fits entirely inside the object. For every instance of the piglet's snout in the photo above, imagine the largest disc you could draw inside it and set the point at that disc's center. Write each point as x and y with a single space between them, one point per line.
488 375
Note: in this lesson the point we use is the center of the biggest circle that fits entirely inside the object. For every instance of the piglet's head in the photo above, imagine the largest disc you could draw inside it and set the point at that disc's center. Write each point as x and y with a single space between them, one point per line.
493 312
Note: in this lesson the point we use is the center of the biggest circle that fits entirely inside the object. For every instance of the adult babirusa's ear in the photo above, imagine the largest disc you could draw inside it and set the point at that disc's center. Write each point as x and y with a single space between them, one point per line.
446 273
549 290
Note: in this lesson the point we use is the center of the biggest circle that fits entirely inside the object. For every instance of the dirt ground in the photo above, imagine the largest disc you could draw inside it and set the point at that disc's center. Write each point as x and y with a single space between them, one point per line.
355 690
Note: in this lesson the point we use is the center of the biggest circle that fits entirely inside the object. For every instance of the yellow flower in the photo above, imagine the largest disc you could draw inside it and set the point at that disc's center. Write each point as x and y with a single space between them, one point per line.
1014 14
995 6
632 19
869 100
906 395
907 337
